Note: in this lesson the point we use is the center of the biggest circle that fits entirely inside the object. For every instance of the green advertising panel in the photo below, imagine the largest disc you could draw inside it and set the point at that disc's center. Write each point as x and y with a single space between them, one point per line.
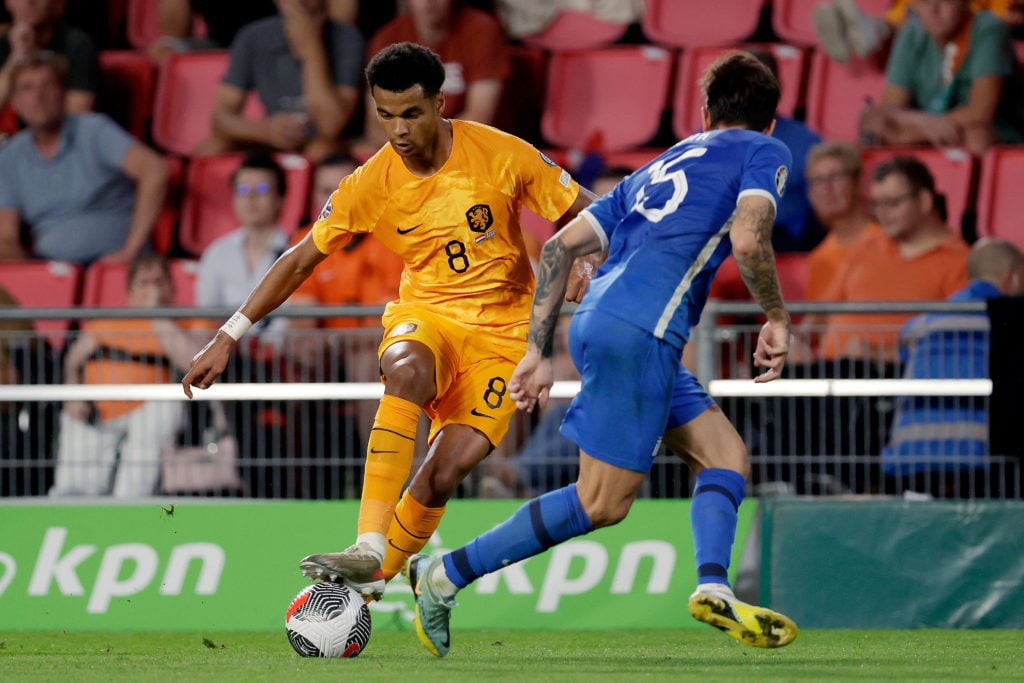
230 566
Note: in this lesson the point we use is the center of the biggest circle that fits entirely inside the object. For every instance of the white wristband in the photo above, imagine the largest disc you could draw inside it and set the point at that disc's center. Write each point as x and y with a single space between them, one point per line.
236 326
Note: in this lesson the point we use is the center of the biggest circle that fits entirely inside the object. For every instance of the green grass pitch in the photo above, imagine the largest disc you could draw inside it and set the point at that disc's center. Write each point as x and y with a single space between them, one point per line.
535 656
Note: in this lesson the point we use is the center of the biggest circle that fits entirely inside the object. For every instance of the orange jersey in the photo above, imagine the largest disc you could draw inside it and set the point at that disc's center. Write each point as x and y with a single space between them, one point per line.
897 12
129 352
827 259
457 231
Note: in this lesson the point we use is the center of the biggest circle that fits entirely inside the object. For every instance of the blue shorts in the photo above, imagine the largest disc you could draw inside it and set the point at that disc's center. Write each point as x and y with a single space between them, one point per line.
634 387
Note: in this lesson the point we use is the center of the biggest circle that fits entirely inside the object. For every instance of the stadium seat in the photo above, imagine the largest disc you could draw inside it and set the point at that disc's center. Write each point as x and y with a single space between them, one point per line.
105 284
127 80
615 94
952 168
207 211
793 23
688 95
186 91
51 284
693 24
1000 199
792 267
836 95
572 30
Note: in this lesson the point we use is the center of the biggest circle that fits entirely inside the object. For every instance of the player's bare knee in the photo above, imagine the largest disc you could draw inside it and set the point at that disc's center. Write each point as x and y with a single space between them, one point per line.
412 378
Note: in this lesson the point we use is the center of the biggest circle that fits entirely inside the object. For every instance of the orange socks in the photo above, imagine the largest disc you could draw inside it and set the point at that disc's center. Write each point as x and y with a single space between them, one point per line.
411 528
388 462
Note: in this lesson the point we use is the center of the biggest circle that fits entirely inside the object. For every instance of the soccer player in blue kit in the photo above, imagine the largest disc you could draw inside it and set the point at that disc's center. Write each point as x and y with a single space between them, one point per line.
666 228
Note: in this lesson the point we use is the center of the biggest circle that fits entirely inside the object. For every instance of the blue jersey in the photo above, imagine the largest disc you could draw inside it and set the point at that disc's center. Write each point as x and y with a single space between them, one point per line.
666 227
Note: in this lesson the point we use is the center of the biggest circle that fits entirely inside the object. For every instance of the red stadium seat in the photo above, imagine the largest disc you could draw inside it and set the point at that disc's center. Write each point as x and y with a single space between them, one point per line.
836 95
792 268
37 284
693 24
105 284
207 211
127 80
616 94
1000 199
792 19
186 91
693 63
952 168
572 30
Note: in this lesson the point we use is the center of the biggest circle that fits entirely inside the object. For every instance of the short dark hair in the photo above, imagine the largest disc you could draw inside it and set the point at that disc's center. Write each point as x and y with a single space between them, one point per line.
400 66
263 161
917 175
740 90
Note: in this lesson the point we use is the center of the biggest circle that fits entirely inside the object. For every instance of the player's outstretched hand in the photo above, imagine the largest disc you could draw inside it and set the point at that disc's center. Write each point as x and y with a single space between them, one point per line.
772 349
531 381
208 364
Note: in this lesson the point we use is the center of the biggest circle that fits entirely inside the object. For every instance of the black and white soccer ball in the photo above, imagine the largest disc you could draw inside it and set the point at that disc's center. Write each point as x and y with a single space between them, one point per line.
328 620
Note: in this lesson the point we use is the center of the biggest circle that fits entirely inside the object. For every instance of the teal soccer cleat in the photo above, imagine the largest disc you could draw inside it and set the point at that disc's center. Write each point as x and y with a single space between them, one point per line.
433 611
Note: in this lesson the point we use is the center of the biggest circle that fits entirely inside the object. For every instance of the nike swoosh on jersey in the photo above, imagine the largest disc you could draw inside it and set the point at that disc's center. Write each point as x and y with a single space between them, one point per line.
479 414
406 231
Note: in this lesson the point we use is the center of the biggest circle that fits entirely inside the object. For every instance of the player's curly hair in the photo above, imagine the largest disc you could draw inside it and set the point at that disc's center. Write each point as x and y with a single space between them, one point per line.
400 66
740 91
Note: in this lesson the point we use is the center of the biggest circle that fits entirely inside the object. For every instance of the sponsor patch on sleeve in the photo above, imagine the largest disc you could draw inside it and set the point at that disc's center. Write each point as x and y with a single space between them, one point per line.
781 176
564 178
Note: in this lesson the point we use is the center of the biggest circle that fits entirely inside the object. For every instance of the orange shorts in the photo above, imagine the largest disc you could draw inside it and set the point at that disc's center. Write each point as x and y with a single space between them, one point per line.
472 366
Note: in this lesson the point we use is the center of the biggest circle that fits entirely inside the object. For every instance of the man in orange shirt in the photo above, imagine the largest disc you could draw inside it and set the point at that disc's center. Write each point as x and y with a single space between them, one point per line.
446 196
915 257
114 446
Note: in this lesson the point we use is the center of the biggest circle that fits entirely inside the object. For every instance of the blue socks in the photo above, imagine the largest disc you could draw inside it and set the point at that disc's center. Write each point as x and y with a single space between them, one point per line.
716 498
538 525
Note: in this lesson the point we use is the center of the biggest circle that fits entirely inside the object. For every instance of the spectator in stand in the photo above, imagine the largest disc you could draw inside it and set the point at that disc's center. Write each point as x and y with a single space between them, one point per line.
953 431
833 178
232 264
85 188
38 25
306 69
915 257
795 226
473 48
951 81
113 447
845 30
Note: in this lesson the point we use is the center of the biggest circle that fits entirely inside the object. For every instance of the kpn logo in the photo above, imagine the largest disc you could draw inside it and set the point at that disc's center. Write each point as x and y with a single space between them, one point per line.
125 569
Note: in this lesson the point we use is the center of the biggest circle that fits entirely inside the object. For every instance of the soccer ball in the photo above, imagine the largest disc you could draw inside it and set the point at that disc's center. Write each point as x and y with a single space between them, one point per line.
328 620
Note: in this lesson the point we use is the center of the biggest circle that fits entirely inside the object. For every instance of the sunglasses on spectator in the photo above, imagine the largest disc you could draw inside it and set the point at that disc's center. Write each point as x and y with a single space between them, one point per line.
258 189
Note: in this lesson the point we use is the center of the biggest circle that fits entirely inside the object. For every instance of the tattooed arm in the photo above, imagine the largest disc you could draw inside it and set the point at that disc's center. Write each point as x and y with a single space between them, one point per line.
751 236
533 377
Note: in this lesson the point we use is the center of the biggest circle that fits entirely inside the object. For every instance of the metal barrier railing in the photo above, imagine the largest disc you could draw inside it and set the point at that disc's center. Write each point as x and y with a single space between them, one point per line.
300 423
